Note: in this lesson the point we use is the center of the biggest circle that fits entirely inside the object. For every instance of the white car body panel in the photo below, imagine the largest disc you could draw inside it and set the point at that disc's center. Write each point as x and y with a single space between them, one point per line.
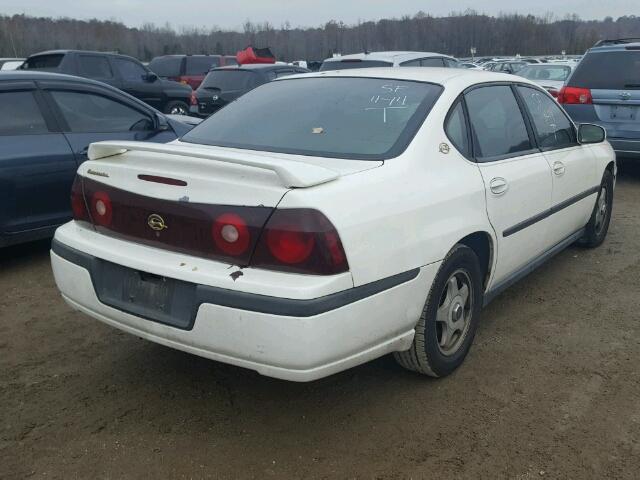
394 216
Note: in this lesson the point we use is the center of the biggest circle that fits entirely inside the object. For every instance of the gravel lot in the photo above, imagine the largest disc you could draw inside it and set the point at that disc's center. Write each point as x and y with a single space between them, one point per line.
551 389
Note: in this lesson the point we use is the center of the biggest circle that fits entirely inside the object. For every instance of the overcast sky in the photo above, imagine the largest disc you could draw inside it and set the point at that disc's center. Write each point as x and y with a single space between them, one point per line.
230 14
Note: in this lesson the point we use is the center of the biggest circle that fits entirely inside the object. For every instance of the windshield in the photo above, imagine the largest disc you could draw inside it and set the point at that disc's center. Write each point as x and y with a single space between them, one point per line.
349 64
358 118
608 70
558 73
228 80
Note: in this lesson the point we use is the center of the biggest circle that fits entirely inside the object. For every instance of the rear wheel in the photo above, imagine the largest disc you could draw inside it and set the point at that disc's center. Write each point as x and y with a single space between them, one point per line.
177 107
449 319
598 226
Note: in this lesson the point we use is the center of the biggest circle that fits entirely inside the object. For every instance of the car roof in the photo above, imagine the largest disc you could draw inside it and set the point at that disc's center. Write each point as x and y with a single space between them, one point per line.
91 52
389 56
615 47
462 76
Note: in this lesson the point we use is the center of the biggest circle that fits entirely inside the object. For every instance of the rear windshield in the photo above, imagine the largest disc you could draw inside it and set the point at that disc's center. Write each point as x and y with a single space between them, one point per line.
201 65
557 73
43 62
347 64
166 66
230 80
608 71
354 118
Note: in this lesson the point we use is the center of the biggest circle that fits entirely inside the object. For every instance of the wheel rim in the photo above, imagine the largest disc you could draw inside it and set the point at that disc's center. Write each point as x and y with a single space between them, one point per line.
178 110
455 310
601 209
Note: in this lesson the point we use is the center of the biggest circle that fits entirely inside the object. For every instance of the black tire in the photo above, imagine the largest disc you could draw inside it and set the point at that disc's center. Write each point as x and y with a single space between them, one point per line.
598 226
426 355
176 107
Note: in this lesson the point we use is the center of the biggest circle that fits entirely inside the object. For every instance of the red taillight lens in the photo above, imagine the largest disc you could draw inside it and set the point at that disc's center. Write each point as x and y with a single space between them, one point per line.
78 205
575 96
194 99
231 234
300 240
554 93
101 208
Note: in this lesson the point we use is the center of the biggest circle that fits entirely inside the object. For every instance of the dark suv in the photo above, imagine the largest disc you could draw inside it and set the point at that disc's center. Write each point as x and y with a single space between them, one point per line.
120 71
605 89
225 84
188 69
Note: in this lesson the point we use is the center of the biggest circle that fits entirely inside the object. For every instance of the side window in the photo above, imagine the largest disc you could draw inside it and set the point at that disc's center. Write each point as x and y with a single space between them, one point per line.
20 114
552 126
91 113
450 63
129 70
456 129
496 122
432 62
411 63
94 66
201 65
166 66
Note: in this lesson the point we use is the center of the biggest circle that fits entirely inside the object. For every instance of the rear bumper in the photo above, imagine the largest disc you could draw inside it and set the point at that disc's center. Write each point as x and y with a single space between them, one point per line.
319 337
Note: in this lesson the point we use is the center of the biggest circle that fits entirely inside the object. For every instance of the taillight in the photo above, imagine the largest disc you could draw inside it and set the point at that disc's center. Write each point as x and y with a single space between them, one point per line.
554 92
231 234
575 95
194 99
78 205
101 208
300 240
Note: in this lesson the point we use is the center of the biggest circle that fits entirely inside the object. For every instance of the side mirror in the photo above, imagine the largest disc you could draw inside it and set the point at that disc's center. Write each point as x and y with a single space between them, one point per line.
161 122
589 133
150 77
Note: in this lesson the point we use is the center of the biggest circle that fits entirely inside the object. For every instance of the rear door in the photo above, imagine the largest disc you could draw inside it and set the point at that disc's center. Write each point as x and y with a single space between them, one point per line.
90 114
36 163
516 175
573 166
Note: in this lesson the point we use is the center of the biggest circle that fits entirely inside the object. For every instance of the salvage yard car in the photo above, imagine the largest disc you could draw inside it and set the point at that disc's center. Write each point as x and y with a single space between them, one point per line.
388 59
47 122
324 220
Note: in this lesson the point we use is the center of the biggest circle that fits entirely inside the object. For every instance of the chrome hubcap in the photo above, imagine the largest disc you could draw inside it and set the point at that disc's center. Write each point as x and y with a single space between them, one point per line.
178 111
454 312
601 210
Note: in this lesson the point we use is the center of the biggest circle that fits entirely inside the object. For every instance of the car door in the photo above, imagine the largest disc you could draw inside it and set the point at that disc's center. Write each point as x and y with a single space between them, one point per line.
36 163
573 166
90 114
135 80
96 67
516 175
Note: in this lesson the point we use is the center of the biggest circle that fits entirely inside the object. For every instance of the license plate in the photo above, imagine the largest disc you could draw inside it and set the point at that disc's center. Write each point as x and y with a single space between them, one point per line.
149 291
623 112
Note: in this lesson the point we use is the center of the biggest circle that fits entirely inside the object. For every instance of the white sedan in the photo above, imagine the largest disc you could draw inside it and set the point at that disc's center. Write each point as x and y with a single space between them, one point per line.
324 220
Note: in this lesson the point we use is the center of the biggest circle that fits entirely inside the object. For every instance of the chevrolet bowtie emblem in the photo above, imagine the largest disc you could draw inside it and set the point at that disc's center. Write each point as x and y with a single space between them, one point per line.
156 222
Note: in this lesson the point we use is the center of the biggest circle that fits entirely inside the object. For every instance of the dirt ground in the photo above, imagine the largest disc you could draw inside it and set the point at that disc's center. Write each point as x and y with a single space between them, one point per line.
551 389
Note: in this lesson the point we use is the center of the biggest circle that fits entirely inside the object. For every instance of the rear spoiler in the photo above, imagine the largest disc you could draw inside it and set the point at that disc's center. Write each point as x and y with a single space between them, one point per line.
291 173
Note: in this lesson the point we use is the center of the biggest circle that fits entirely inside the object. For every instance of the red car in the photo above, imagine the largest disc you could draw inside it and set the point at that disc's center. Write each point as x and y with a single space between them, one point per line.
188 69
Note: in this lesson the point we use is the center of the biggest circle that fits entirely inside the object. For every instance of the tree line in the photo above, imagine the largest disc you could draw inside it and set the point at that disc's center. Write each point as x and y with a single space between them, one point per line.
455 34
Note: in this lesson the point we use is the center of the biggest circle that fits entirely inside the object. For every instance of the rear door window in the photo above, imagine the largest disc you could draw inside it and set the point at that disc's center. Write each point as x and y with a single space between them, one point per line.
411 63
166 66
608 71
43 62
553 128
201 65
499 129
456 129
94 66
20 114
92 113
432 62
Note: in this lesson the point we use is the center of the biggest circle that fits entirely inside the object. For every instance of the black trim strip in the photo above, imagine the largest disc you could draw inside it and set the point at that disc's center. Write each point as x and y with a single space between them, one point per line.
531 266
555 209
251 301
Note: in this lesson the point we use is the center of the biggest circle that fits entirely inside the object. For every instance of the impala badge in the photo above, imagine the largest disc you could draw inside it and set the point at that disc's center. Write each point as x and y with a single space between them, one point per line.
156 222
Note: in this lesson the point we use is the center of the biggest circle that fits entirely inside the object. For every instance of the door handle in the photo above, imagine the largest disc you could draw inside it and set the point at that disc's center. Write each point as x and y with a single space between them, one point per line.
498 186
558 168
